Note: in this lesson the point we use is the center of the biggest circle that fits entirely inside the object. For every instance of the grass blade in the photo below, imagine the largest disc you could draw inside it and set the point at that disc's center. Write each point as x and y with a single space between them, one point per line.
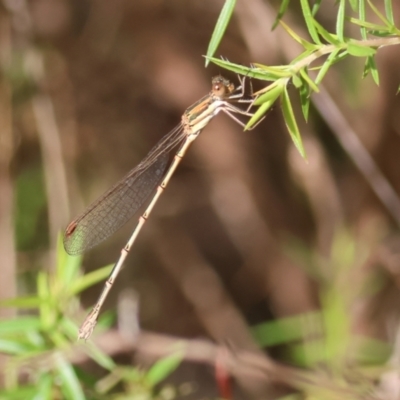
360 51
361 13
282 9
340 20
309 19
389 11
291 123
220 27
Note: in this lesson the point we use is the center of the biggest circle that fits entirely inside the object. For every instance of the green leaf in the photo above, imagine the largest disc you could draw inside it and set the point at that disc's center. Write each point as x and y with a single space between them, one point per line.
266 100
67 266
286 330
361 13
370 67
99 357
369 25
378 14
357 50
329 37
291 123
220 27
58 338
70 385
282 9
341 55
22 302
305 103
90 279
241 69
258 114
67 327
381 33
278 71
272 92
305 93
302 56
316 6
389 11
45 387
14 347
163 368
340 20
20 392
309 19
297 82
329 61
45 309
19 325
307 45
307 79
354 5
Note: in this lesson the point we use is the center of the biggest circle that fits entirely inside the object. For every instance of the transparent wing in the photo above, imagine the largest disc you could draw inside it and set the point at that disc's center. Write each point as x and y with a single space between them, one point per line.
112 210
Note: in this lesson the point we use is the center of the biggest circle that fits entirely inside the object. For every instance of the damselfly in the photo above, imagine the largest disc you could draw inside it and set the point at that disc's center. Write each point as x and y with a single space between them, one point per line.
112 210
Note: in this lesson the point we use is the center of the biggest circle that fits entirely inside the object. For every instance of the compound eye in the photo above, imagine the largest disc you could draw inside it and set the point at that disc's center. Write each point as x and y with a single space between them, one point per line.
221 87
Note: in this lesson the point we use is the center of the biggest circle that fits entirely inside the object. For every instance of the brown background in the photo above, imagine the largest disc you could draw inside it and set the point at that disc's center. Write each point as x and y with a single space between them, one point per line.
92 86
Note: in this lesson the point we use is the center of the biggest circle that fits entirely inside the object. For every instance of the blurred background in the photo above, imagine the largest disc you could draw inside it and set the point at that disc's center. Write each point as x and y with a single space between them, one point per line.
247 231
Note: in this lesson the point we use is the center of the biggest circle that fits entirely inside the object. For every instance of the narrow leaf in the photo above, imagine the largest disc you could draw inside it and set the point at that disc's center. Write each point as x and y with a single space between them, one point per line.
19 325
370 67
163 368
44 387
261 111
329 61
302 56
266 100
282 9
316 6
45 307
241 69
291 123
340 20
374 69
341 55
309 19
378 13
369 25
220 27
22 302
389 11
297 82
354 5
285 330
310 82
271 92
329 37
307 45
361 13
70 385
305 92
90 279
360 51
381 33
100 357
280 71
67 266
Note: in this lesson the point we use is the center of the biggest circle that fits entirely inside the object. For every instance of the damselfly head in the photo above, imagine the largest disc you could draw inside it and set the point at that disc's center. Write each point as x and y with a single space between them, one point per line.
221 87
